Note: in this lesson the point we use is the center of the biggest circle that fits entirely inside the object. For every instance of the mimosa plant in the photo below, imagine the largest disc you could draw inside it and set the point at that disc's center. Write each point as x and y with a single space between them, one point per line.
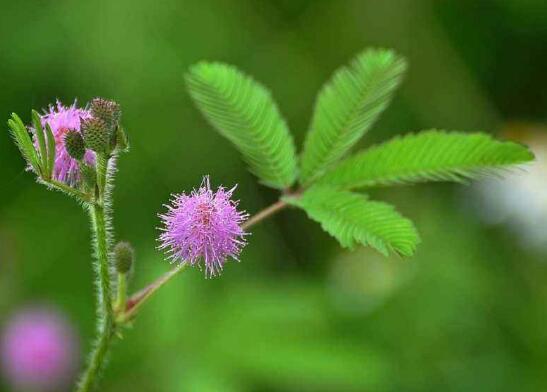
74 150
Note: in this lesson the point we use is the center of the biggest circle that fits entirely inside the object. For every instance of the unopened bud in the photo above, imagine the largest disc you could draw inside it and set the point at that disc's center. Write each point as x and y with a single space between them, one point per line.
96 134
108 111
124 257
74 145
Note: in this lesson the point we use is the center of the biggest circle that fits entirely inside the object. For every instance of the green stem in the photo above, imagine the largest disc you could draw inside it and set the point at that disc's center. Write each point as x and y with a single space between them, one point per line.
106 323
102 167
105 300
265 213
134 303
68 190
121 298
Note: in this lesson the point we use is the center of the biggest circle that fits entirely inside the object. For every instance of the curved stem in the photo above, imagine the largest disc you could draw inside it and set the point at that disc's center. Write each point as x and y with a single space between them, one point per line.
137 300
106 326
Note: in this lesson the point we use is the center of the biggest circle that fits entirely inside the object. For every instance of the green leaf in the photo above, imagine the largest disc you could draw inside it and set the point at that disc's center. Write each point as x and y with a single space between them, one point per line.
40 135
427 156
51 151
347 106
23 141
353 219
244 112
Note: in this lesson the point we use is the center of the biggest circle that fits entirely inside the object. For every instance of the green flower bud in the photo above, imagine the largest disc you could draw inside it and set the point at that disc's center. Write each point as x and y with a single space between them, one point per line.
108 111
123 257
96 134
74 145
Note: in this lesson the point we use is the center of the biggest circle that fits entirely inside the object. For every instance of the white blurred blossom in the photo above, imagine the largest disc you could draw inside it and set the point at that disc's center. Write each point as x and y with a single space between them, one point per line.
518 200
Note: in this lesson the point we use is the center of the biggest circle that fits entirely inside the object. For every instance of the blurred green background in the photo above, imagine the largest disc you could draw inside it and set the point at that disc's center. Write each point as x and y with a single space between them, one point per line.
468 312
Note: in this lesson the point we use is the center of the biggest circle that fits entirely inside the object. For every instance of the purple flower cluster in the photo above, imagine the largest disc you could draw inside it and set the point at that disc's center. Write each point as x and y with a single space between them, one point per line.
61 119
203 225
38 351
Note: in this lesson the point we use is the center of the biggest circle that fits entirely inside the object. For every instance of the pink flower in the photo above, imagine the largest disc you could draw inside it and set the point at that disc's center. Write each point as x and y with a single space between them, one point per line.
38 351
204 225
61 119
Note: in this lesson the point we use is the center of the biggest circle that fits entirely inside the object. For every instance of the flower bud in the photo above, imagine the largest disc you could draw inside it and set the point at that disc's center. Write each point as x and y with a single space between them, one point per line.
108 111
123 257
96 134
74 144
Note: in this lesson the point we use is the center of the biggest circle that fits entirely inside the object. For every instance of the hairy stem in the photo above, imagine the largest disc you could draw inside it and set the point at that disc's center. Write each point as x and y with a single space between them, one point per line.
84 197
102 169
137 300
106 326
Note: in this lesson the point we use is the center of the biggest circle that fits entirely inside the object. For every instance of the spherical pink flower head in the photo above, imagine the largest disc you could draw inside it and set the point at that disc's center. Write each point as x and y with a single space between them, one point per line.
38 351
204 225
61 119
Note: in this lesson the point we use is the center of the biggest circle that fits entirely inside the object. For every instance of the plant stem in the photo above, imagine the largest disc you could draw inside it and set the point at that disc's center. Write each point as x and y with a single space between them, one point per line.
138 299
134 303
67 189
265 213
106 326
102 168
121 297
